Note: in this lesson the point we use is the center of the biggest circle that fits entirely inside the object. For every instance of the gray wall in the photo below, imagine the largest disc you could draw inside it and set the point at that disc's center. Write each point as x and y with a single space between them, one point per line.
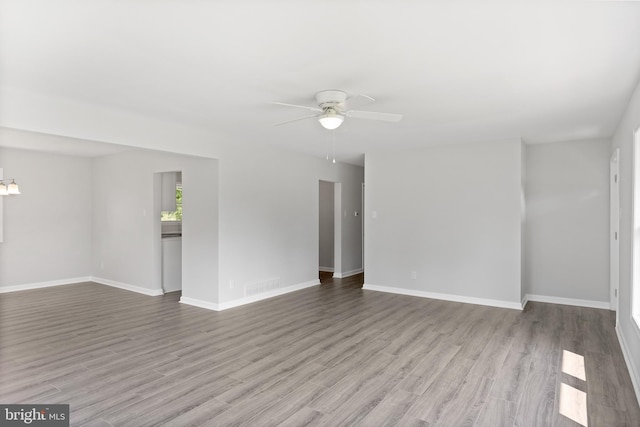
351 179
567 226
452 214
326 229
47 229
269 222
628 328
126 225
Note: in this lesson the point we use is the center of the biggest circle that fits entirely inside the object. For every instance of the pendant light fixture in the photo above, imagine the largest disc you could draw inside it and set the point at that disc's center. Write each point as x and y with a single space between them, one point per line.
9 190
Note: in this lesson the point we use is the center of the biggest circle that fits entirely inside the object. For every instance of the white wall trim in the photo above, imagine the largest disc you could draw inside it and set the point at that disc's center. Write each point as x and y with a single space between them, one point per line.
266 295
635 324
248 300
347 273
48 284
635 376
128 287
605 305
326 269
445 297
1 211
200 303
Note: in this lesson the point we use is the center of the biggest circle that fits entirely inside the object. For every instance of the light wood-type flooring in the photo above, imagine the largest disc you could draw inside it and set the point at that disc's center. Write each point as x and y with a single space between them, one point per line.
328 355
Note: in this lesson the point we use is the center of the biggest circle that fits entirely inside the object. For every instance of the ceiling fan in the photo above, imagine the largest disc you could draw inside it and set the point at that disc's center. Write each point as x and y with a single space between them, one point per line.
335 105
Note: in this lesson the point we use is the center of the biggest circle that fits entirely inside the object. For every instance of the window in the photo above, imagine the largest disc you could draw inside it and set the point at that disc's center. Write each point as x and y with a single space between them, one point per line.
175 216
635 272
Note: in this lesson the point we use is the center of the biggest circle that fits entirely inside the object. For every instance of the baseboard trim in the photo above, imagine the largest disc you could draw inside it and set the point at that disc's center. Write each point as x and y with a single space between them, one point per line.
567 301
128 287
48 284
445 297
200 303
635 376
346 274
326 269
248 300
267 295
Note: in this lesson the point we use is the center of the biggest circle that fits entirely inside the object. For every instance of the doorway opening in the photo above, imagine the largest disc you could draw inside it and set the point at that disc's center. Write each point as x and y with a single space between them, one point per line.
340 229
330 229
168 231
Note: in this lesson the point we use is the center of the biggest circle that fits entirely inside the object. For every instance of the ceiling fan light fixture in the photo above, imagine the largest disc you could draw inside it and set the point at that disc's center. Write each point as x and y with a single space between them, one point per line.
335 105
331 120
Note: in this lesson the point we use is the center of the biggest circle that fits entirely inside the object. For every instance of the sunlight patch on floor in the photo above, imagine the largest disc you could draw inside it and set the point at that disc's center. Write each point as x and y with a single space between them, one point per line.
573 404
573 364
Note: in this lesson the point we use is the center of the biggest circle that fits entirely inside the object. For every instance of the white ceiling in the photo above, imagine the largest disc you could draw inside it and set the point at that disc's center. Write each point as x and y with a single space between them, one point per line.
458 71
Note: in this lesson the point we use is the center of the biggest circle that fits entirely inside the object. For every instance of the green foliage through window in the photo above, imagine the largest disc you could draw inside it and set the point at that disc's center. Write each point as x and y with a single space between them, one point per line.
177 214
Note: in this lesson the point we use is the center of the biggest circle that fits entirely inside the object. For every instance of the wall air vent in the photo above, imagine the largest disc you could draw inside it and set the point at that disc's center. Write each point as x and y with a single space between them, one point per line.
261 287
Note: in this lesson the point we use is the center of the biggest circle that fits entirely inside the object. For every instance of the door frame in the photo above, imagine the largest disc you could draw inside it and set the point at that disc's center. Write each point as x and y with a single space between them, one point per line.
337 226
614 229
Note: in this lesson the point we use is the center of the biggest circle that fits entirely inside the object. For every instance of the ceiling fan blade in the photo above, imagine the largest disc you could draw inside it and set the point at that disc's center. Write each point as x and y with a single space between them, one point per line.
372 115
356 101
299 106
295 120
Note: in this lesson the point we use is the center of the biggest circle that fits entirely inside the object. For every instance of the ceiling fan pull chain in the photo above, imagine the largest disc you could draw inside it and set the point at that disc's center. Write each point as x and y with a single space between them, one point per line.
333 132
327 149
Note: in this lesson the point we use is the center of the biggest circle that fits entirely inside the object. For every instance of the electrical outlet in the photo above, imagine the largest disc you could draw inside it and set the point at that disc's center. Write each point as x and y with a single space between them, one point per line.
414 275
232 284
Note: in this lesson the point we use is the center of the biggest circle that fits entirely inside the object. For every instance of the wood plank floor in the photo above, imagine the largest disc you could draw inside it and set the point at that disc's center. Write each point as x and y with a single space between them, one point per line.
329 355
